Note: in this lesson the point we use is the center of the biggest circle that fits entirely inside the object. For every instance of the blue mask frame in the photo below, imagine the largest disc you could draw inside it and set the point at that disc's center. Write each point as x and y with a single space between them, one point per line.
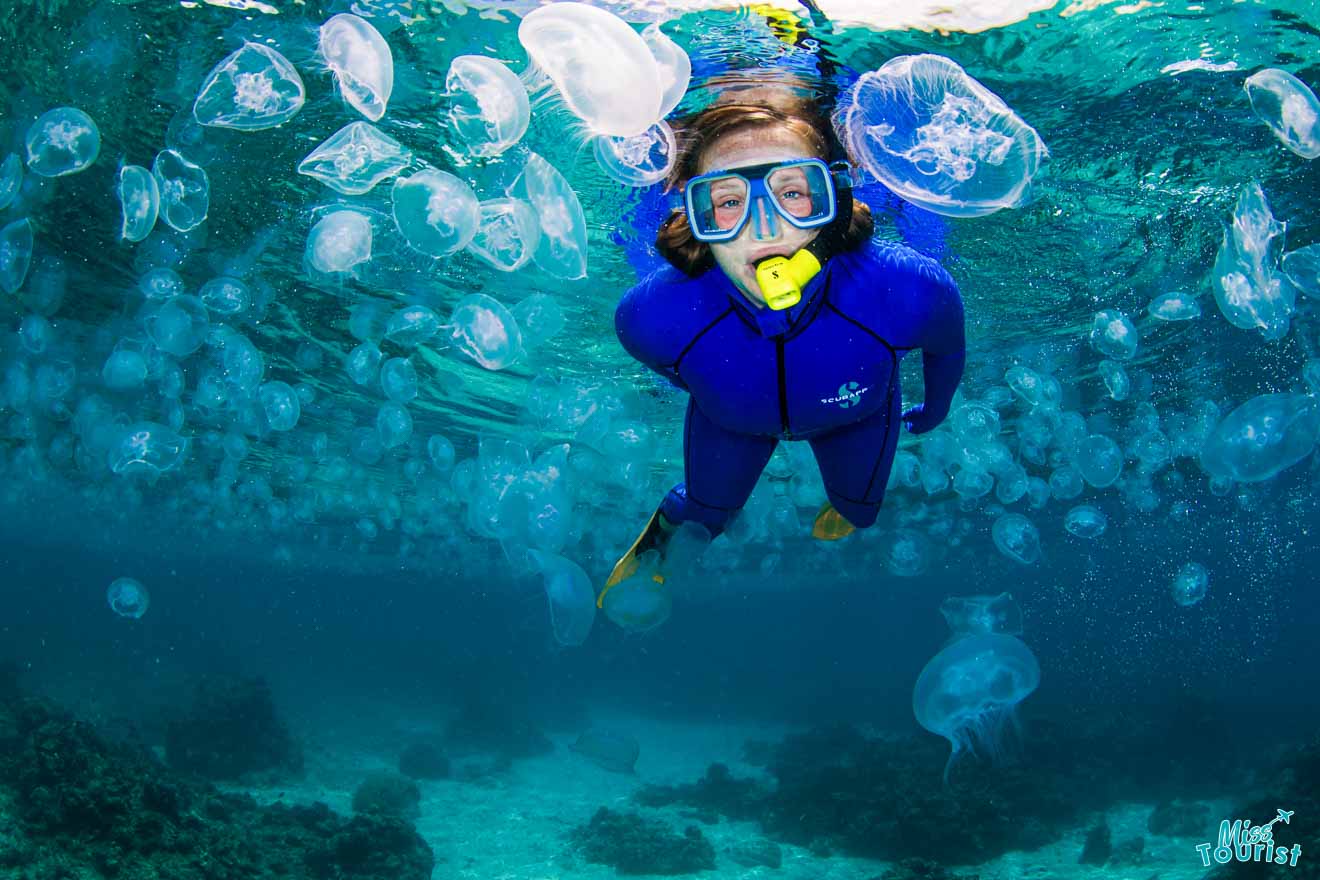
761 204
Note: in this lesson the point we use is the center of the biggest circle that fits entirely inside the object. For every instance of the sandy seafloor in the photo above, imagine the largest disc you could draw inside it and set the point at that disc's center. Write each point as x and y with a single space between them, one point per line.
515 824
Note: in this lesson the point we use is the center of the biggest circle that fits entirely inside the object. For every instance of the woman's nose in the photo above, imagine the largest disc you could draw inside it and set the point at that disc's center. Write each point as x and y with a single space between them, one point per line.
765 225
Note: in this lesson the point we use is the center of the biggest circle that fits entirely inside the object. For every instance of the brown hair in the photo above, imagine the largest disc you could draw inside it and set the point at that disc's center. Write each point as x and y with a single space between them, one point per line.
758 107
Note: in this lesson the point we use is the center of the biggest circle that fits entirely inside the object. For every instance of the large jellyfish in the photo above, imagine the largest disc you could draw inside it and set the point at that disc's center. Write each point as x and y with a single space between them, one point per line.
436 213
62 141
1262 437
1250 290
966 693
604 70
490 110
185 190
340 242
939 138
486 332
361 61
572 599
355 159
562 249
1288 107
252 89
674 64
507 234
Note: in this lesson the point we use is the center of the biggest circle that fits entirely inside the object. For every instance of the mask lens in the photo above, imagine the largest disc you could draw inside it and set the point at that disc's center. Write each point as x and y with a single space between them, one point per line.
721 204
801 192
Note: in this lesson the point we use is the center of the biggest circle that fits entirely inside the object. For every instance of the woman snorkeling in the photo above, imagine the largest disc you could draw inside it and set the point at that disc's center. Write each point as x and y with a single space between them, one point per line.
782 320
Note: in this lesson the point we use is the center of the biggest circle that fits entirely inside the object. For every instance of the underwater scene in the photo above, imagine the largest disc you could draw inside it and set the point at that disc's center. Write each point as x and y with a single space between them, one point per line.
515 440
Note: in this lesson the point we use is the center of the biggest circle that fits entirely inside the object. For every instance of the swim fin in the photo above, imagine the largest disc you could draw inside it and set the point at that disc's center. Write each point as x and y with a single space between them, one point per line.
653 537
830 525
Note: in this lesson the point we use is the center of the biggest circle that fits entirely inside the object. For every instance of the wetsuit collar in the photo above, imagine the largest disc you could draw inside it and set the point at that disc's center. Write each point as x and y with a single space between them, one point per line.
770 322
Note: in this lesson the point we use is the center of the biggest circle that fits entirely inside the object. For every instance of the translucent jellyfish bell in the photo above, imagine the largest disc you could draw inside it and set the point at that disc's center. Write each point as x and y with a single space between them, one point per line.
640 603
674 64
1302 267
1174 306
486 332
139 199
252 89
1086 521
340 242
1262 437
1251 292
572 600
412 325
355 159
490 111
15 254
507 234
982 614
128 598
909 553
967 692
1191 584
1100 460
146 448
436 213
178 325
1017 538
62 141
11 179
361 61
562 249
604 70
539 317
939 138
185 190
1288 107
640 160
1113 335
280 405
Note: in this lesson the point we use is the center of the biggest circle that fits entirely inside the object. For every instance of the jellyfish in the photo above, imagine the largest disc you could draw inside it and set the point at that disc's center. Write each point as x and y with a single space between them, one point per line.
62 141
968 691
1302 267
393 425
441 452
1174 306
279 404
15 254
940 139
908 554
1100 460
398 379
361 61
643 602
355 158
139 199
969 615
185 190
490 110
1262 437
1288 107
1025 383
1085 521
11 179
363 364
1115 379
1191 584
436 213
225 296
1113 335
507 234
128 598
562 250
638 160
146 448
124 370
1017 538
178 326
160 283
485 331
571 597
539 318
340 242
604 70
412 325
674 64
252 89
1251 292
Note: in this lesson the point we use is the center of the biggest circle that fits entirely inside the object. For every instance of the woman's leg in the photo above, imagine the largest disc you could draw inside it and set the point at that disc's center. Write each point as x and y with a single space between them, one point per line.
855 461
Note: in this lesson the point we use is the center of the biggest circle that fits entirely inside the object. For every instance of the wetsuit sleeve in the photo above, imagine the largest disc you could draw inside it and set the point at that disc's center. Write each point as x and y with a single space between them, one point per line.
640 331
943 347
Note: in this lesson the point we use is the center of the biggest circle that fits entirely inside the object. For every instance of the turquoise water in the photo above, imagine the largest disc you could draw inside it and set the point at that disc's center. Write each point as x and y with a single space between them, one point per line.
388 596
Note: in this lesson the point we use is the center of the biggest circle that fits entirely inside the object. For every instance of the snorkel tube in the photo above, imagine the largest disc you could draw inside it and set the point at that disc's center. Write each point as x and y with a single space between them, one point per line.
781 279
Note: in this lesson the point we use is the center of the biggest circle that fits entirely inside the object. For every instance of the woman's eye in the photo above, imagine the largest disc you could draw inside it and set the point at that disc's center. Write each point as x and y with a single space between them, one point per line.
730 203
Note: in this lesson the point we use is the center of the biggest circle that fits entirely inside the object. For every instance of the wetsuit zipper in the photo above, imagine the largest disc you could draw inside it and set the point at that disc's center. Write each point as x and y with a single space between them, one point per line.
783 385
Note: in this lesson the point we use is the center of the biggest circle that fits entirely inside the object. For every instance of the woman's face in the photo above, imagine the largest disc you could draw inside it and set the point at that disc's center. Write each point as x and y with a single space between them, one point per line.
738 149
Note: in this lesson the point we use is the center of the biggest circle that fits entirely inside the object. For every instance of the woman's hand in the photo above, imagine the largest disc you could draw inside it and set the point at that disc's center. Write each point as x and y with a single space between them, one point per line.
918 421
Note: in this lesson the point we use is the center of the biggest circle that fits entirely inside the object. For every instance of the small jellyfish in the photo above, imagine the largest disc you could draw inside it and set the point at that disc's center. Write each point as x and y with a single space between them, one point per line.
1302 267
11 179
642 602
507 235
146 448
562 250
185 190
539 317
1085 521
908 554
398 379
1190 586
571 597
128 598
490 110
225 296
252 89
139 200
486 332
982 614
361 61
1262 437
1017 538
62 141
355 159
178 326
15 254
279 403
441 452
603 69
1113 335
436 213
1100 460
363 364
340 242
34 334
124 370
412 325
1115 379
940 139
1174 306
639 160
967 692
161 283
1025 383
1288 107
394 426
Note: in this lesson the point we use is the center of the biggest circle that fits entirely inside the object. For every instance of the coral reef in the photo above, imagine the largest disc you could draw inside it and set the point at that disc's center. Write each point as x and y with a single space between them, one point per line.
388 794
1293 783
231 730
633 844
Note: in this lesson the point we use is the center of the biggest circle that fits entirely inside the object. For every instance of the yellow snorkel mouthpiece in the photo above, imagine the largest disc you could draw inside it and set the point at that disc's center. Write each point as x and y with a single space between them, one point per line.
781 279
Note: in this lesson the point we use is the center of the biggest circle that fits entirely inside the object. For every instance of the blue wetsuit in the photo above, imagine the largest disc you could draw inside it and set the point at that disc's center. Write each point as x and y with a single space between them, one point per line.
824 371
